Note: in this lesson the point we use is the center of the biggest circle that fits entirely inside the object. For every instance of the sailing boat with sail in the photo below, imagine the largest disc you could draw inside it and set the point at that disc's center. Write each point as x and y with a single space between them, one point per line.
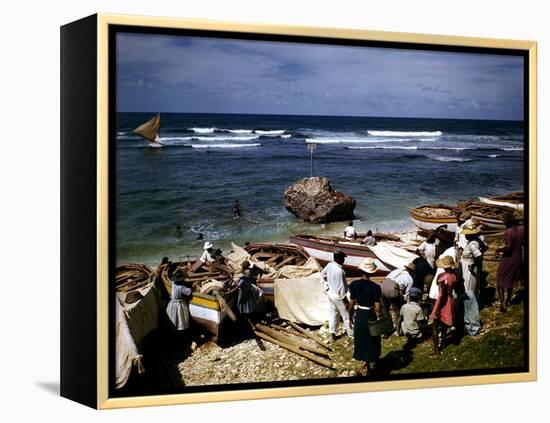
150 130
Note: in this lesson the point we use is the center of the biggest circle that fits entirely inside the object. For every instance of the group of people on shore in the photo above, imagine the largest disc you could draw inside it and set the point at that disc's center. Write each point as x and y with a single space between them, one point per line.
442 286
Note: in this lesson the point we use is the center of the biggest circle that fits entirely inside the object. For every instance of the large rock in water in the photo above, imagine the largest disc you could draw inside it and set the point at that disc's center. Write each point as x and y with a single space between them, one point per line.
314 200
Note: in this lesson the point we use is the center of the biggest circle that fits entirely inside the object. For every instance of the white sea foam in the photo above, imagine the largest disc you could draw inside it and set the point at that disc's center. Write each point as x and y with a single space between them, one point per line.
493 156
286 136
223 145
238 131
212 138
203 130
362 140
379 147
512 149
449 159
405 133
270 132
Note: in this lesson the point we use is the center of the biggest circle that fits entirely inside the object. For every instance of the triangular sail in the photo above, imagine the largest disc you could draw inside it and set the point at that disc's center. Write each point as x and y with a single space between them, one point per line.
150 129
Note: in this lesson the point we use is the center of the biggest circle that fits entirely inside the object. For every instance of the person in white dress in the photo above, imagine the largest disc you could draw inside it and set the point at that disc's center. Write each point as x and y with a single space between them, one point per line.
350 233
178 307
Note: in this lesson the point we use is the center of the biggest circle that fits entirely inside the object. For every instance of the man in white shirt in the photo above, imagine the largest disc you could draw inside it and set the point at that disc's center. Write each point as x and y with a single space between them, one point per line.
336 294
428 249
349 232
395 290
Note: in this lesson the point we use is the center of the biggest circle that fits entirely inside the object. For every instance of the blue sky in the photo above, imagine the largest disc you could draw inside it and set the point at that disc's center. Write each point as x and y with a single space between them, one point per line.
161 73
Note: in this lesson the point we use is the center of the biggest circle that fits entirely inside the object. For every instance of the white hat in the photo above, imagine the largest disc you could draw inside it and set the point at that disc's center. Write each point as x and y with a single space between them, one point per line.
368 266
207 245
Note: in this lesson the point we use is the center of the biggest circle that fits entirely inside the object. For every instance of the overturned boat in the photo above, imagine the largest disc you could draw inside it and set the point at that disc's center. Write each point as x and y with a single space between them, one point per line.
387 257
514 200
428 217
213 296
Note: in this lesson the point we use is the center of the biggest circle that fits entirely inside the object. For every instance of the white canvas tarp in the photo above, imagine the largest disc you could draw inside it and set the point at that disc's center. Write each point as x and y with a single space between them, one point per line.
392 255
302 300
133 322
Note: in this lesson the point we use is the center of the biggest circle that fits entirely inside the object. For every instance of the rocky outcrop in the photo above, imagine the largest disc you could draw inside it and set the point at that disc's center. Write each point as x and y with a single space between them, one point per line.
314 200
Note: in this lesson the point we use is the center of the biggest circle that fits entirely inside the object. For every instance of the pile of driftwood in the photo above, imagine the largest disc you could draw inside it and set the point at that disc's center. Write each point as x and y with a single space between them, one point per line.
294 338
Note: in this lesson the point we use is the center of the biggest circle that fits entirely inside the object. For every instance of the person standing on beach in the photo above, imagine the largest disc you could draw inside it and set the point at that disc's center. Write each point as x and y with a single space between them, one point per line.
365 303
350 233
443 311
179 233
510 270
428 249
395 290
335 276
249 292
178 307
472 266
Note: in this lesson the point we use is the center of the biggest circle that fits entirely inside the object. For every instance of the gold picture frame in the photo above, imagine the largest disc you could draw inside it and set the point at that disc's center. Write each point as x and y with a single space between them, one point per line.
102 22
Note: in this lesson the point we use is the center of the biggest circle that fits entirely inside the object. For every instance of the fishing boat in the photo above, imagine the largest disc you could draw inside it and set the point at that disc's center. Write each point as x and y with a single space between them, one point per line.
431 216
490 216
150 130
275 256
514 200
213 296
131 277
323 249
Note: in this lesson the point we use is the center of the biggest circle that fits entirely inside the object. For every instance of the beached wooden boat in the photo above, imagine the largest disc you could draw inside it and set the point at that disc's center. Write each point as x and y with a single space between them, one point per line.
513 200
130 277
490 216
323 249
276 256
430 216
210 300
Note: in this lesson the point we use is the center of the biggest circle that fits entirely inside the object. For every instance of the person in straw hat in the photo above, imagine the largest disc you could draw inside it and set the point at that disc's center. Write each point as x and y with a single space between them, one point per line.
472 268
510 270
472 257
443 310
366 304
178 307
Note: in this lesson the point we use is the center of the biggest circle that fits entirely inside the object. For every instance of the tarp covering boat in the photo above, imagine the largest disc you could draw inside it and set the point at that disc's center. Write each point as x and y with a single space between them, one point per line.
302 300
137 314
392 255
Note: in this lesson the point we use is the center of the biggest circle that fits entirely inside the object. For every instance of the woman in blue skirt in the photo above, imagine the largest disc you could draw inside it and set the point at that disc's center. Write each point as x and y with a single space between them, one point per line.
365 302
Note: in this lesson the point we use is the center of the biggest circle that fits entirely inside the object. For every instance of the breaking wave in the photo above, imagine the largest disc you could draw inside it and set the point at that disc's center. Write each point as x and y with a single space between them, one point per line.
203 146
449 159
405 133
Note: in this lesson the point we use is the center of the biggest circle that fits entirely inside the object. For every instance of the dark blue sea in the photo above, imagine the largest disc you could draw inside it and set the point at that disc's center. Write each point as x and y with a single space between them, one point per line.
210 160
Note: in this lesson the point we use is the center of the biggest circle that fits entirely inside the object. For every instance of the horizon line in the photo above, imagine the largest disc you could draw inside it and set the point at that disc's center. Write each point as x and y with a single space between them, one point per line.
327 115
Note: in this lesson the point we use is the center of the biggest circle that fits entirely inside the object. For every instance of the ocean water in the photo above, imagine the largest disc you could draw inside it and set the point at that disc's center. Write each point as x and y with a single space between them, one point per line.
209 160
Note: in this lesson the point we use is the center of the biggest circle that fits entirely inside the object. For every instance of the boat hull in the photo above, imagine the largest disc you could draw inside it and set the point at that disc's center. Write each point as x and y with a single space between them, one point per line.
432 224
516 206
323 251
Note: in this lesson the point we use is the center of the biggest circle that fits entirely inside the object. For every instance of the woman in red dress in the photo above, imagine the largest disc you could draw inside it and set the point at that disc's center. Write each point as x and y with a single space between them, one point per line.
443 312
510 270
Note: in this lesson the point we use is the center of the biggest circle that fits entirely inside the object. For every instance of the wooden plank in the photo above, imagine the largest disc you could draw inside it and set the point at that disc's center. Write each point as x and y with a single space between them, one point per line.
286 339
225 307
305 354
309 335
286 261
